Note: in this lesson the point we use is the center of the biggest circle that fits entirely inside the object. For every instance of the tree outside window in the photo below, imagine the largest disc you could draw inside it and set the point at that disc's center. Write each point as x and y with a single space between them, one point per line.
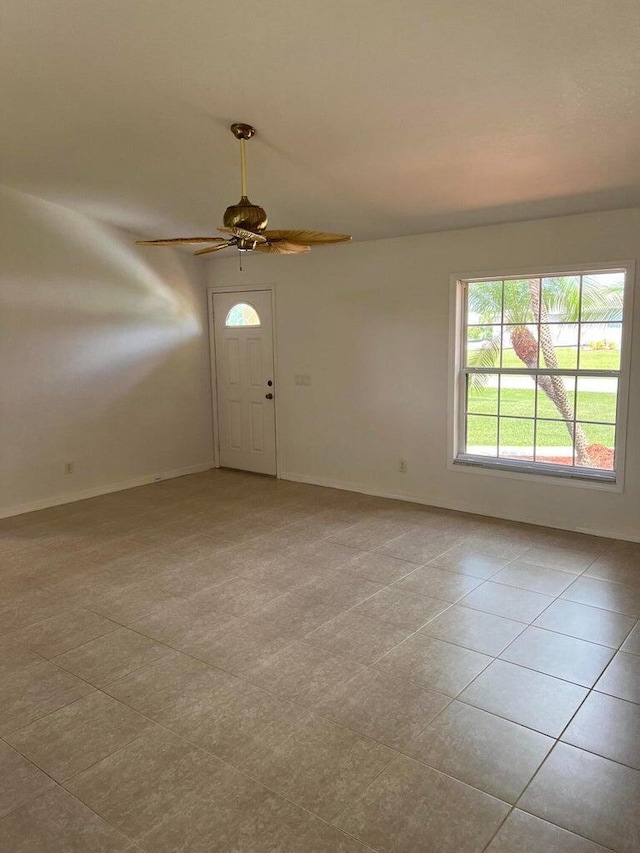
541 369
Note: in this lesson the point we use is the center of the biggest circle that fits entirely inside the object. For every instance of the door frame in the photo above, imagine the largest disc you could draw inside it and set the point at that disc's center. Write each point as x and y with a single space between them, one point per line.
240 288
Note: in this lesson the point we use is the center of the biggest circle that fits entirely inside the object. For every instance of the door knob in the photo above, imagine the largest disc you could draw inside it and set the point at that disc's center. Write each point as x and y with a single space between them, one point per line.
269 396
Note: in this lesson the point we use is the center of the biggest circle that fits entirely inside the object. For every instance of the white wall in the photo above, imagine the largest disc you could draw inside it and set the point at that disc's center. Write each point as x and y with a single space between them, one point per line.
104 358
370 323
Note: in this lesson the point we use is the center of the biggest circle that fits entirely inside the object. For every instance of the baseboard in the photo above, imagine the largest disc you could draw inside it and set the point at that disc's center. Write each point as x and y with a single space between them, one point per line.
458 507
328 482
96 491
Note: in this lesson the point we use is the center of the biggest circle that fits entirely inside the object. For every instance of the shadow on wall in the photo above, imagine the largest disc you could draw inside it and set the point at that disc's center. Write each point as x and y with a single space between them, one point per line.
51 247
94 339
86 292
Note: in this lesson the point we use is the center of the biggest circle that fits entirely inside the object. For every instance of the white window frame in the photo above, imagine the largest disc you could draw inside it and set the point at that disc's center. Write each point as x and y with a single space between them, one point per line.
459 461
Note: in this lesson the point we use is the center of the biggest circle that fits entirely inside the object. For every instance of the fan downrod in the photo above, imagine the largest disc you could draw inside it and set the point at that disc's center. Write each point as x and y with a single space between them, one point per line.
242 131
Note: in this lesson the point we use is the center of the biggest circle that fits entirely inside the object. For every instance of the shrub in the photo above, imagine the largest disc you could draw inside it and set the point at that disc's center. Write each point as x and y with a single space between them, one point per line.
603 344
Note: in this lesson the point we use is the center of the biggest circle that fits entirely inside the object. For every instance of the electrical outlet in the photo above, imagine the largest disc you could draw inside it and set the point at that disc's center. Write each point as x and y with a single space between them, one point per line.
68 467
402 466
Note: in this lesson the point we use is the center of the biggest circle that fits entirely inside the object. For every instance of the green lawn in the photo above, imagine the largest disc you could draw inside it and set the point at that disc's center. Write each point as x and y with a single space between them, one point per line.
592 406
515 433
589 359
521 403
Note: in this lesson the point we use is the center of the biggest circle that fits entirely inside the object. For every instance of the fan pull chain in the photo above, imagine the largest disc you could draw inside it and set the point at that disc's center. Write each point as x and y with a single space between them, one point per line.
240 259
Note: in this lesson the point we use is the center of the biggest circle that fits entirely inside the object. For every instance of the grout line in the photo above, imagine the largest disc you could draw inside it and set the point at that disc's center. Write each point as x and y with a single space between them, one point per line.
372 666
558 740
318 712
58 785
305 640
200 748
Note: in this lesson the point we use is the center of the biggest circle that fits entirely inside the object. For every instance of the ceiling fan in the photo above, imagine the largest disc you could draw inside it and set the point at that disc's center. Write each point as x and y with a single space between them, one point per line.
245 223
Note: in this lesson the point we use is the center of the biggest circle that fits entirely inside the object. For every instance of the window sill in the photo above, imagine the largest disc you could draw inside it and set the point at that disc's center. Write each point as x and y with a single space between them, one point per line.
608 481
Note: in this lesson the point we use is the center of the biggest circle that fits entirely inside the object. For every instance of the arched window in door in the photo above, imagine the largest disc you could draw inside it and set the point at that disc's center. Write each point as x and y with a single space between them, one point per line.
242 314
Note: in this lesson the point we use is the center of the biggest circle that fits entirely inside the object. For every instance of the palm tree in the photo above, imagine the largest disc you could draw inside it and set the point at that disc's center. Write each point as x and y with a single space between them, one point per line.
525 303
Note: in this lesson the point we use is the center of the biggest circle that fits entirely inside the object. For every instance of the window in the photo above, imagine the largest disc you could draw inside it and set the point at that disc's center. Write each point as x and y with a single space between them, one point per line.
242 314
542 371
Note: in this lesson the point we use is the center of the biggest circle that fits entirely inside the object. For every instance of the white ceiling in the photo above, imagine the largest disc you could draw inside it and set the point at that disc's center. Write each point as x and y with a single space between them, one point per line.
376 118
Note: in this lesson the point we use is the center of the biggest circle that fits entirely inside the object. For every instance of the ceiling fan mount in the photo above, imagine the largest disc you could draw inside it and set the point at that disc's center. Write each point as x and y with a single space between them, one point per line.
246 223
242 131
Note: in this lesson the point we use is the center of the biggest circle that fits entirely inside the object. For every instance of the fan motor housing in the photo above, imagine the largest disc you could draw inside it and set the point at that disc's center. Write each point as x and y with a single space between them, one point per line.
245 215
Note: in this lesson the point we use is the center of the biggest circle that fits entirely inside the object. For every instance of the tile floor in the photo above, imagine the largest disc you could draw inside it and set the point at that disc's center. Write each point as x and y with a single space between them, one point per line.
230 664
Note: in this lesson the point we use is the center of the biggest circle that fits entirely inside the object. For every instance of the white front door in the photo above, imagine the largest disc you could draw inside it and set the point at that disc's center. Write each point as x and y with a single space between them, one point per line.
243 332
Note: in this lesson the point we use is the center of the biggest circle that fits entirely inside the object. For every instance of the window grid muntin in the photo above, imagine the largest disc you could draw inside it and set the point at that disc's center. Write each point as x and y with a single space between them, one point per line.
551 323
579 326
498 415
577 372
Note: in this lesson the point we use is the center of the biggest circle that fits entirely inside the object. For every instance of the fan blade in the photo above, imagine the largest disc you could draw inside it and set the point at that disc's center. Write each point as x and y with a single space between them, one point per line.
178 241
283 247
217 248
306 238
243 234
